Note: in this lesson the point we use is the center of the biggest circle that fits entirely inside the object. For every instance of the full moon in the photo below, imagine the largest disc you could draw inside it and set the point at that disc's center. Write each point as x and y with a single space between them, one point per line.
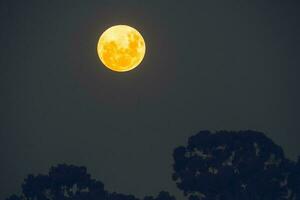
121 48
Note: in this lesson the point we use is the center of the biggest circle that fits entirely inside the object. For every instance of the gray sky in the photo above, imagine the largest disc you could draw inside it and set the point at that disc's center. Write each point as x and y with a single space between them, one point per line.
209 65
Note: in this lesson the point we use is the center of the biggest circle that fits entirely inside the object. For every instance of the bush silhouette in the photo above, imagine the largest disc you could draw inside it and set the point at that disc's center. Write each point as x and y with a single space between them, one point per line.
240 165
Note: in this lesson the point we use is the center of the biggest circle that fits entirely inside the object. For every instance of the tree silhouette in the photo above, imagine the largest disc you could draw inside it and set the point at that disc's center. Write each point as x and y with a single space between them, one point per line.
63 182
240 165
224 165
294 180
161 196
117 196
69 182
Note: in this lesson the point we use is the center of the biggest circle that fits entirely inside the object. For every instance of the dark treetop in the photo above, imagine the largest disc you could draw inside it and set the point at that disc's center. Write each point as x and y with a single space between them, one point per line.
235 166
244 165
69 182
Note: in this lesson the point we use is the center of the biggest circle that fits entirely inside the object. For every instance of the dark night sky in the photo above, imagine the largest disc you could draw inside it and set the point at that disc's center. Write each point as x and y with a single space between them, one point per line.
209 65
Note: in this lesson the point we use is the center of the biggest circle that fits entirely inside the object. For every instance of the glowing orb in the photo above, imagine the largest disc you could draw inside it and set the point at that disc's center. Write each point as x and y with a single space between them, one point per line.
121 48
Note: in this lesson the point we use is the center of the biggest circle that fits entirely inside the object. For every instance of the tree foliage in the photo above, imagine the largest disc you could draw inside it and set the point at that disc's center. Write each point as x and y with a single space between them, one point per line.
234 165
161 196
69 182
61 183
224 165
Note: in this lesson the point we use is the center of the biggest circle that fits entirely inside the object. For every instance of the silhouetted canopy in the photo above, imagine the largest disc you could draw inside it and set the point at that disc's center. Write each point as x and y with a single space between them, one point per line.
234 165
69 182
63 182
161 196
224 165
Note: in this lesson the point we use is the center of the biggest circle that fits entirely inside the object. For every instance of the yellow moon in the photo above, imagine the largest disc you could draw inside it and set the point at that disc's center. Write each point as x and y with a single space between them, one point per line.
121 48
